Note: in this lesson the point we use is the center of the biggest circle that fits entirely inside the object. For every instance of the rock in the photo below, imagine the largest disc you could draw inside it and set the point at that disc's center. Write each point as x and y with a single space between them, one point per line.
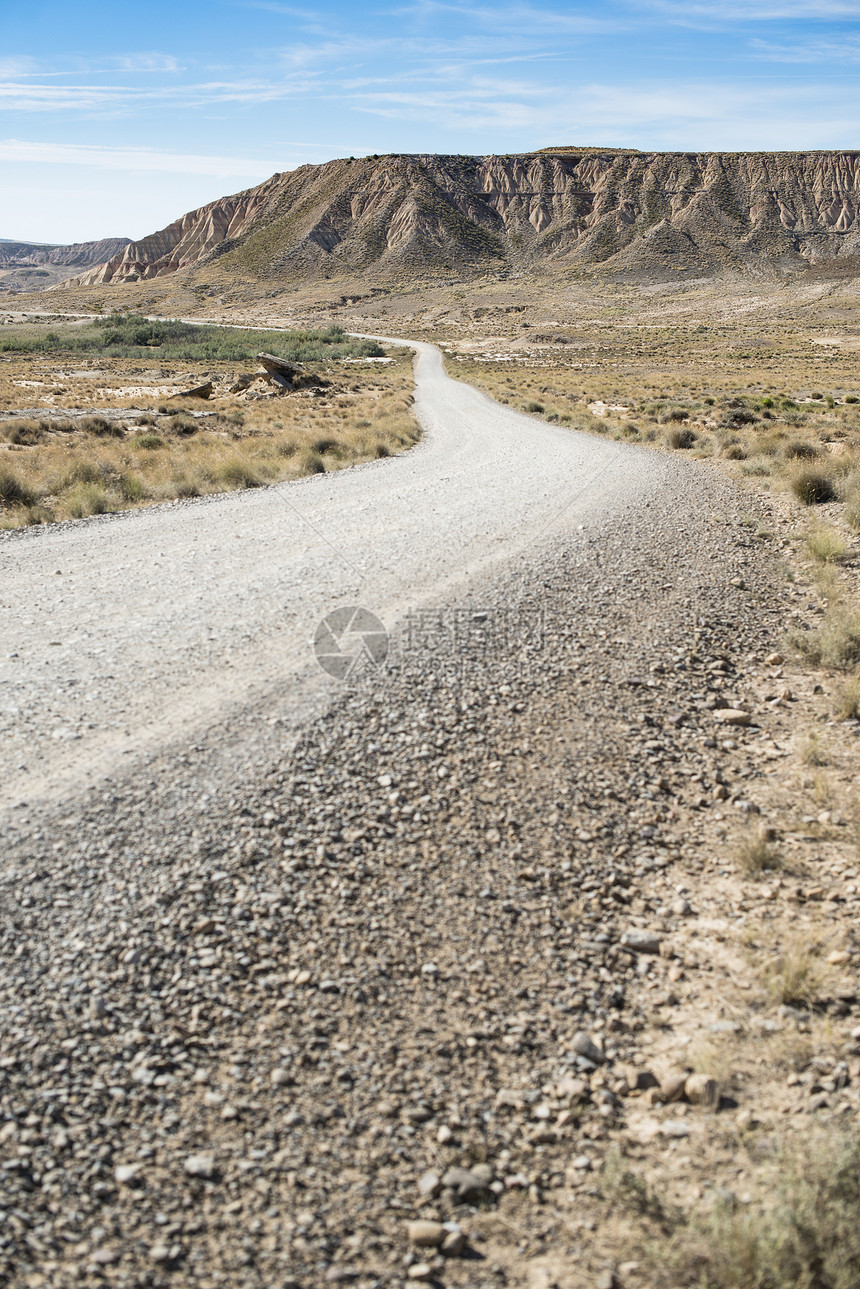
466 1183
125 1174
582 1164
281 1077
455 1241
202 1165
420 1271
284 373
584 1046
732 716
571 1089
702 1090
159 1253
242 383
337 1275
672 1086
637 941
425 1234
774 660
674 1128
429 1184
199 391
606 1280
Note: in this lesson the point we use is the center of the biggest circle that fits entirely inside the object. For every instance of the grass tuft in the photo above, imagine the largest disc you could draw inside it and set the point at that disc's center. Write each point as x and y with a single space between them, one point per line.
812 487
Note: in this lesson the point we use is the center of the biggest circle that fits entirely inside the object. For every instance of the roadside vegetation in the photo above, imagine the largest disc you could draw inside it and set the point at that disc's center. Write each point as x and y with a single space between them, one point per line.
129 335
112 437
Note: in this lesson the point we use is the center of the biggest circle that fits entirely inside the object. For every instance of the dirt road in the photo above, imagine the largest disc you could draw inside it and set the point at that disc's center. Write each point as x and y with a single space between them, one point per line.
307 962
119 634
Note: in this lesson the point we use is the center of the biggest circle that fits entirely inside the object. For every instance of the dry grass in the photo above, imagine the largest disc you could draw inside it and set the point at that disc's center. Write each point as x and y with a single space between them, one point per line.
54 467
846 699
827 545
836 643
756 854
796 975
812 751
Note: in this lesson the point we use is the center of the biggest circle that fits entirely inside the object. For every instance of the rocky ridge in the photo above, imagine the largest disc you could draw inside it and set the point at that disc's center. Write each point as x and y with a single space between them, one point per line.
639 214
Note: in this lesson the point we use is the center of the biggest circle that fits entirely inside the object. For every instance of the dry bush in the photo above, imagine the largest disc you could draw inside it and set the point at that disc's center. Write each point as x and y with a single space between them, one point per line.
681 437
846 699
806 1235
756 854
812 487
796 975
827 545
836 643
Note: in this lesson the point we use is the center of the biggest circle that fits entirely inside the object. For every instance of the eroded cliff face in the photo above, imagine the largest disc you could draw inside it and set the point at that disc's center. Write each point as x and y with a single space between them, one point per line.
33 255
635 213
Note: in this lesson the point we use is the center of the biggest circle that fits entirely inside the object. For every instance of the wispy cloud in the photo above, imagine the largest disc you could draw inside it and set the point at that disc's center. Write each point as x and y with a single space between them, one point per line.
734 11
26 97
132 159
844 50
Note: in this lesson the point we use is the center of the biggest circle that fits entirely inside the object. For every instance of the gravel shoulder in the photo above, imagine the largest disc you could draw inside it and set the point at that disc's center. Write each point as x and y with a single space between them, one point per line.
286 986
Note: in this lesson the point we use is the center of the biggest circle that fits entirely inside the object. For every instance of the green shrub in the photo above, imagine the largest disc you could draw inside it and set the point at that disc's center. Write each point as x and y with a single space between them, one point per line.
132 487
534 407
149 442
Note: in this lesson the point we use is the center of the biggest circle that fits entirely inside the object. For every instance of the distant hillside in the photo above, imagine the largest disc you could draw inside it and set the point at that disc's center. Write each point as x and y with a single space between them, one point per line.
637 213
31 266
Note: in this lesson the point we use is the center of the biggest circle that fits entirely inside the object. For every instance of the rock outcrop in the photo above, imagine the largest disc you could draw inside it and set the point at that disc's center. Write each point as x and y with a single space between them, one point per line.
77 255
635 213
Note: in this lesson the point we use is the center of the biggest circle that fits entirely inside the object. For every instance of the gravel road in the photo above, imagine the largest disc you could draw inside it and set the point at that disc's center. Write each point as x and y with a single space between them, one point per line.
119 634
343 957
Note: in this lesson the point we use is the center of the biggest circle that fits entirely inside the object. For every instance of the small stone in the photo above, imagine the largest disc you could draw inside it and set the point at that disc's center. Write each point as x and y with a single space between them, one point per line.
468 1185
425 1234
672 1086
675 1128
584 1046
429 1183
420 1271
681 908
637 941
202 1165
281 1077
701 1090
125 1174
774 660
605 1280
838 957
444 1135
159 1253
104 1257
732 716
582 1164
455 1241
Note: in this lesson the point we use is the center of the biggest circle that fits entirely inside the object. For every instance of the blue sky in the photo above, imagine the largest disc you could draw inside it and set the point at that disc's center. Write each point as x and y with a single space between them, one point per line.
115 119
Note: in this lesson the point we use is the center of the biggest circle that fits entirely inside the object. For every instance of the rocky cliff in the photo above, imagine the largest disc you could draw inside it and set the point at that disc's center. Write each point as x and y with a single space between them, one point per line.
640 214
28 266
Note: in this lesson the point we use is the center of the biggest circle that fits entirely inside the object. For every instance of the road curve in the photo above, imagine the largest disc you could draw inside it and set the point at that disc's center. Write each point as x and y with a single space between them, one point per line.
120 634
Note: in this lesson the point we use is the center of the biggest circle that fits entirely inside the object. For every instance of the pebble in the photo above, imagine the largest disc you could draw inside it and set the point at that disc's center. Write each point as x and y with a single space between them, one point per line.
703 1091
731 716
585 1046
425 1234
202 1165
641 941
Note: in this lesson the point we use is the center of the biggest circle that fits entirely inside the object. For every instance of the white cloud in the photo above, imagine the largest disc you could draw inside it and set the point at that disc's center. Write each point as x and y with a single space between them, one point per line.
132 159
733 11
18 97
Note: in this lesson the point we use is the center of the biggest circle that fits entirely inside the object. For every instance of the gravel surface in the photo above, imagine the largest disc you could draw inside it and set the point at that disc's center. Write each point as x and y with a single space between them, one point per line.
272 995
120 633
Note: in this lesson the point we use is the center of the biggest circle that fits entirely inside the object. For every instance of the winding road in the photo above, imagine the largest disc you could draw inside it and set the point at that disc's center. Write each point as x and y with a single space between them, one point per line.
121 634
